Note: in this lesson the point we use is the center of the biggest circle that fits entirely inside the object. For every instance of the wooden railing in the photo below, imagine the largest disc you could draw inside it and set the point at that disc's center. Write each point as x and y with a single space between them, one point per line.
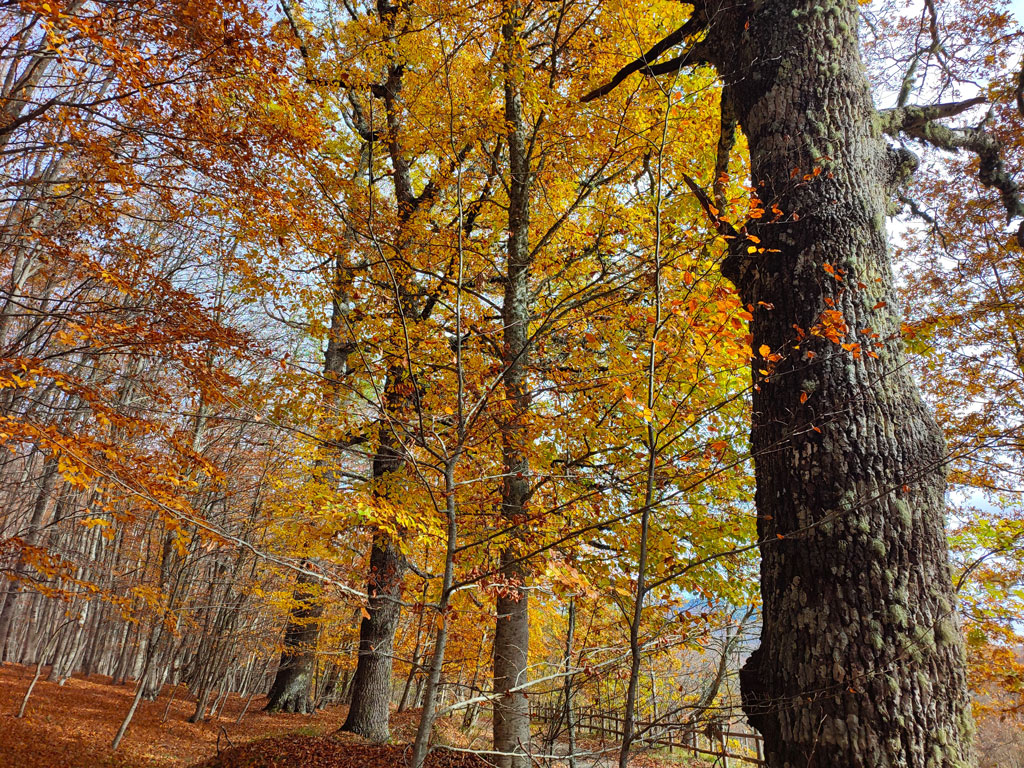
714 740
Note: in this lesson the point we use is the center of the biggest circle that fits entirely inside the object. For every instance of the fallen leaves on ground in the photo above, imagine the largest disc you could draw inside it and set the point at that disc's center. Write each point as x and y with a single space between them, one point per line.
297 751
71 726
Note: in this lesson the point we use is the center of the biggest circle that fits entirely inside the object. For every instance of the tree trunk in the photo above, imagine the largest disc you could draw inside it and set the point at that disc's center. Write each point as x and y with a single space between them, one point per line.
39 510
567 692
511 643
511 726
861 660
369 712
290 691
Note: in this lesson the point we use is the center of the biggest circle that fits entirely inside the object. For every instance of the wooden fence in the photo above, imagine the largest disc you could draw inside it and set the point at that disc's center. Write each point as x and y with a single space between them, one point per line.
715 739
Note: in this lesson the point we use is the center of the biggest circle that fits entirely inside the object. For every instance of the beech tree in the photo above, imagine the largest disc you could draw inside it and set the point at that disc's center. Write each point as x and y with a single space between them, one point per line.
401 312
861 661
961 286
512 630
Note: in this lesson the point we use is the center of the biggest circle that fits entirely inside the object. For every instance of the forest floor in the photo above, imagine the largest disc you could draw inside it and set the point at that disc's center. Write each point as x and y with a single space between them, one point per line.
71 726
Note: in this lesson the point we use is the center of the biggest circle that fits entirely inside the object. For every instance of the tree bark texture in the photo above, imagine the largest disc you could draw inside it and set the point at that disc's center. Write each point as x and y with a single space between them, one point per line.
292 685
369 712
511 725
511 644
861 661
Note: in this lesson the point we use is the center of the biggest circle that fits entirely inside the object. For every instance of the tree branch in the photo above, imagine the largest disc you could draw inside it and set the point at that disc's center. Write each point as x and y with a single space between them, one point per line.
287 8
919 123
900 118
726 141
645 62
736 267
721 226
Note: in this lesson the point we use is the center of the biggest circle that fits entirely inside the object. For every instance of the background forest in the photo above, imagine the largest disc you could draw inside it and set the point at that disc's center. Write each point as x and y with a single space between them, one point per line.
348 354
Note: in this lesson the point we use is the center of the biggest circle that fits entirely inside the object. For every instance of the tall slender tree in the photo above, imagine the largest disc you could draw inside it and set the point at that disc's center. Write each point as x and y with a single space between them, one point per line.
291 690
512 633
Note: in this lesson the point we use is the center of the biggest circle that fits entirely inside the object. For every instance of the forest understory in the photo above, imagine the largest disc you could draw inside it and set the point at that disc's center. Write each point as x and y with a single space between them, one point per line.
71 725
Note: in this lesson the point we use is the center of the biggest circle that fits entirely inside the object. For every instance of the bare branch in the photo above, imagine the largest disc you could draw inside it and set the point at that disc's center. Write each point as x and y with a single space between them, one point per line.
899 119
645 63
919 123
721 226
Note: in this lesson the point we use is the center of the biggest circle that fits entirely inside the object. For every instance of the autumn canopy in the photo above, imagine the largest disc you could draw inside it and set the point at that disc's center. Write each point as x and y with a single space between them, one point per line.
514 382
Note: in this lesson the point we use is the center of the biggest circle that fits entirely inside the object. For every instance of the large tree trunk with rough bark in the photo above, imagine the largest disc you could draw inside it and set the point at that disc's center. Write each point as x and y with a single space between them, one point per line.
369 712
861 660
511 725
292 686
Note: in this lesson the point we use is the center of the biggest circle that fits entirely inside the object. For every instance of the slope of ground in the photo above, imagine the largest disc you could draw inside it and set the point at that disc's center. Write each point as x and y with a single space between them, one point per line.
297 751
71 726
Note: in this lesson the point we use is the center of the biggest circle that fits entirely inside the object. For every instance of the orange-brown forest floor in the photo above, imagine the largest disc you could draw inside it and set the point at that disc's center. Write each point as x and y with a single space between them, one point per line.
71 726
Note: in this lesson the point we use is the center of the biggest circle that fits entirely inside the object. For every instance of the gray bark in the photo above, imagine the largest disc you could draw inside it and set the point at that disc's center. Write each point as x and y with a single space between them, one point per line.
511 724
290 691
369 712
861 660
